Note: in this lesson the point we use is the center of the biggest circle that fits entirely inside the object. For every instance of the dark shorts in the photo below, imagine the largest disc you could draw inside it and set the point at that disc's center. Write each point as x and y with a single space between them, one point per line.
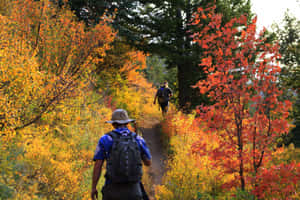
164 106
123 191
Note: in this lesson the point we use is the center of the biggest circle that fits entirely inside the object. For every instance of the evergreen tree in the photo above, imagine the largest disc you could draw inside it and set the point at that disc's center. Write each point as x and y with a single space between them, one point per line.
289 41
164 28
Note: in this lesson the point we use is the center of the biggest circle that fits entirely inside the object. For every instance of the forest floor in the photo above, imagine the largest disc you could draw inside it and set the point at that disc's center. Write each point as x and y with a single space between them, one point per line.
151 131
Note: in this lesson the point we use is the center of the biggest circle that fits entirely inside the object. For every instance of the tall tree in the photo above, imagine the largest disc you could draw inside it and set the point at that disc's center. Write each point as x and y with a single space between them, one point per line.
289 40
164 28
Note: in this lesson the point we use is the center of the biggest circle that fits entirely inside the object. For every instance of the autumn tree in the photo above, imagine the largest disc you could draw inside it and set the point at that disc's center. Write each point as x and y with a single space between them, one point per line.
248 114
62 50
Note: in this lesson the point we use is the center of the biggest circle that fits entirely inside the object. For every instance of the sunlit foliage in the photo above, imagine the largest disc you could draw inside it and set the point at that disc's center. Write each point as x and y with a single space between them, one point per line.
189 175
48 52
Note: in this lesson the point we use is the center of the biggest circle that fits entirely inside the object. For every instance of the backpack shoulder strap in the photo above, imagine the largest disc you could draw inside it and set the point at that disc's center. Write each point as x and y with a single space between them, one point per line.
115 137
113 134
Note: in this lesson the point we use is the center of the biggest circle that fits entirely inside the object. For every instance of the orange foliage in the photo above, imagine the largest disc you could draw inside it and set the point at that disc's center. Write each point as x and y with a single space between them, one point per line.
278 182
65 46
137 62
247 115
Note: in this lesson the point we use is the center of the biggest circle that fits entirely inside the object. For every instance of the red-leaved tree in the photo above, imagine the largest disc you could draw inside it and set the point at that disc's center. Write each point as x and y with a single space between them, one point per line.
247 113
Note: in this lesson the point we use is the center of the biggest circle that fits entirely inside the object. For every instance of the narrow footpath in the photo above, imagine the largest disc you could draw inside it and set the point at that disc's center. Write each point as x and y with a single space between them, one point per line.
151 132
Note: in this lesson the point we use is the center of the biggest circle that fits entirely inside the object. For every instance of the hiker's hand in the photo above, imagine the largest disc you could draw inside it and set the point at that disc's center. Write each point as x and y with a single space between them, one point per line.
154 102
94 194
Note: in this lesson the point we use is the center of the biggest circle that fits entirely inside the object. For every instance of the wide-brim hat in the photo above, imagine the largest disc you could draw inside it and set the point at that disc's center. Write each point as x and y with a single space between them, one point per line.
120 116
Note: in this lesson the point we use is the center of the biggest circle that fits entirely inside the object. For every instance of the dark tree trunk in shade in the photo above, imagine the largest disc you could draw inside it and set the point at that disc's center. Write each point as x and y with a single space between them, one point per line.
188 75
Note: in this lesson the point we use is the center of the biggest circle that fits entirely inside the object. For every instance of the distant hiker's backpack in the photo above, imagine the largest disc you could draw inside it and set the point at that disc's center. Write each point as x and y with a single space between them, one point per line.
162 95
124 164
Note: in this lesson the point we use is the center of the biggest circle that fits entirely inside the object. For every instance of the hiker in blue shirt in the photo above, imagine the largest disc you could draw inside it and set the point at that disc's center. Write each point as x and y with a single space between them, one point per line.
163 95
124 152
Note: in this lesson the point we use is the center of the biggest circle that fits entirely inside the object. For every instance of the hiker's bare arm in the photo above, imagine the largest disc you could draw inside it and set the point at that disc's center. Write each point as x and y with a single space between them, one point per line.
97 172
96 175
154 102
147 162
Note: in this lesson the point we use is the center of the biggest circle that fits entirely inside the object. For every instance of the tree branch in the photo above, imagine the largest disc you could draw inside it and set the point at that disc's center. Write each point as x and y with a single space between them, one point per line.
45 108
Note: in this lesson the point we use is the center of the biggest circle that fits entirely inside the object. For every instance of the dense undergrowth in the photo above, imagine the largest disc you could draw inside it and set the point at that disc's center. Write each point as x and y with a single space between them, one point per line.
198 176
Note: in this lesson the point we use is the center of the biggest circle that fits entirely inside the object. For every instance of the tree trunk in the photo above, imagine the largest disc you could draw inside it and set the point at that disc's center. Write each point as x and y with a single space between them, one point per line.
241 171
184 85
188 75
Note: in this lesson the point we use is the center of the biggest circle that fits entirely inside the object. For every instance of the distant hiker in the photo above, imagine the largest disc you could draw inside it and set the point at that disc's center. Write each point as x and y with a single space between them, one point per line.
124 152
163 95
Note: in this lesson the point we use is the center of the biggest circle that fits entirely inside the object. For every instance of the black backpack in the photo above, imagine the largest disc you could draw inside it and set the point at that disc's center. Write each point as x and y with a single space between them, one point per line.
124 164
162 95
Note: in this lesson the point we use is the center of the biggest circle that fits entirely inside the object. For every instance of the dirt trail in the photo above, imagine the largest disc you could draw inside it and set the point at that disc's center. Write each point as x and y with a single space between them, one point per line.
151 133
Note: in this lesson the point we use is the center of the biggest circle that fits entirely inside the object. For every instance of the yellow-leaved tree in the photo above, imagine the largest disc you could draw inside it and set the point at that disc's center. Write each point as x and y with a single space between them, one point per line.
64 49
46 56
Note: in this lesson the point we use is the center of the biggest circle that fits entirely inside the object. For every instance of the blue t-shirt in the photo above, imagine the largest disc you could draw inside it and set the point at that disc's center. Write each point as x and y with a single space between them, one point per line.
105 143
